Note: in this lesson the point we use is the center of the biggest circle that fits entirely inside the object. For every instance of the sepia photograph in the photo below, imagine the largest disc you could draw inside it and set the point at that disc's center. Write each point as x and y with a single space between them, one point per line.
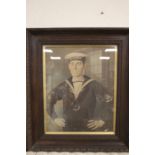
79 88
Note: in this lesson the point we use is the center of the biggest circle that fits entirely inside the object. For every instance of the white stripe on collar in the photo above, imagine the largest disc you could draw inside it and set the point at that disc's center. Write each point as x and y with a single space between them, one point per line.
70 85
84 85
87 82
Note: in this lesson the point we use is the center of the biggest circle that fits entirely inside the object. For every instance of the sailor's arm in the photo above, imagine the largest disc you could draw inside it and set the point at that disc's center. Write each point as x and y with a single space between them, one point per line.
53 97
103 116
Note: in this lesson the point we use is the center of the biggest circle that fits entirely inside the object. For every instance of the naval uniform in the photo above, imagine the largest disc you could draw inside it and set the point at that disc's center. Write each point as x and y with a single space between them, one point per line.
92 103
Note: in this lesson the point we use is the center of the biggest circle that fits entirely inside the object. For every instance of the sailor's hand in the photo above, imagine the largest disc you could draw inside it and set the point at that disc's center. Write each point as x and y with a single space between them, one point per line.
60 122
95 124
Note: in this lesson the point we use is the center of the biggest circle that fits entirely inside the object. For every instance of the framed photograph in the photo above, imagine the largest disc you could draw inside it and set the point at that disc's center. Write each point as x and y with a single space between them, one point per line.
77 89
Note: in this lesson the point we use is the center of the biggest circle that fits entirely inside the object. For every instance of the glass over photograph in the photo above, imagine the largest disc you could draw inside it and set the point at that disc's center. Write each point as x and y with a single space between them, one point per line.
80 88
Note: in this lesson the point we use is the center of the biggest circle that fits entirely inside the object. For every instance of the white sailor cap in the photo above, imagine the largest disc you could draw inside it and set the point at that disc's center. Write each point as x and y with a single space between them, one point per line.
76 56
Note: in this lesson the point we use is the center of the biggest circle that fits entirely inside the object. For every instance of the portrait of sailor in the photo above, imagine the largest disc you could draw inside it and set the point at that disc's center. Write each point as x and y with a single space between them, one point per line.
87 105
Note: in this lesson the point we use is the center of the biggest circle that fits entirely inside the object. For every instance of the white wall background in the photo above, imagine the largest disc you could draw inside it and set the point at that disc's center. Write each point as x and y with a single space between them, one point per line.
77 13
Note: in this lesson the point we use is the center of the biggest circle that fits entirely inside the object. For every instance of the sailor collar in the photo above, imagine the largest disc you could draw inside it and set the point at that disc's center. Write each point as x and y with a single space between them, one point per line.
86 81
69 82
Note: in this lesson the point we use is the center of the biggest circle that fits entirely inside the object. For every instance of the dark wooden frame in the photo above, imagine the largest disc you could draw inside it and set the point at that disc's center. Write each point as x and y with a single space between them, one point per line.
36 139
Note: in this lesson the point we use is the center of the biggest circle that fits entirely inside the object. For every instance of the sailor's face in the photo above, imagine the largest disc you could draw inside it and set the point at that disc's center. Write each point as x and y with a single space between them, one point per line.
76 68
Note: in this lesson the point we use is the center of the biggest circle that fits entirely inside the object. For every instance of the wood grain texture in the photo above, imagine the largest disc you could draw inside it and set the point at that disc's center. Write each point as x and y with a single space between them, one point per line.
75 153
36 139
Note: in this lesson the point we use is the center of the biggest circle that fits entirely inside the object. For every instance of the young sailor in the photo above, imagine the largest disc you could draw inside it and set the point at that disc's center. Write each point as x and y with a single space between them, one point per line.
87 106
